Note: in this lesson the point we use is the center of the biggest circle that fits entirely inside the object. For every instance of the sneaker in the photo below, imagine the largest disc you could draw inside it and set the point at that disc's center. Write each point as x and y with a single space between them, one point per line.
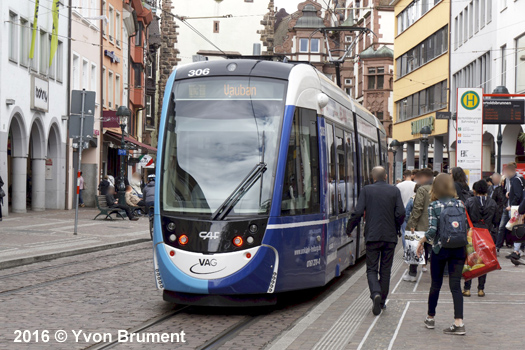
481 293
430 323
376 308
455 330
513 255
424 269
517 262
134 219
466 293
407 277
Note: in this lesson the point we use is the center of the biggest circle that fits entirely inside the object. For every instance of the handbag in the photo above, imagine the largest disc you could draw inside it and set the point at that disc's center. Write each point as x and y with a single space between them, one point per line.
481 253
518 233
2 193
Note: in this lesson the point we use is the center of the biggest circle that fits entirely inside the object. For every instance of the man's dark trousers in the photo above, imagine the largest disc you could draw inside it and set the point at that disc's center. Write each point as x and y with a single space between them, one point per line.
379 259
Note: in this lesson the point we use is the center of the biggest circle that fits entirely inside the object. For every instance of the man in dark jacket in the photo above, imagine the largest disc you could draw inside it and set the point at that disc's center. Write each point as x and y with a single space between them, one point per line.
384 216
497 192
513 187
104 185
149 191
113 203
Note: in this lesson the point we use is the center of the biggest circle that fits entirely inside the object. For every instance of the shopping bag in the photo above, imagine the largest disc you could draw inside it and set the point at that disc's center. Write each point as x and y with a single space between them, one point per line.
518 234
481 253
515 218
411 241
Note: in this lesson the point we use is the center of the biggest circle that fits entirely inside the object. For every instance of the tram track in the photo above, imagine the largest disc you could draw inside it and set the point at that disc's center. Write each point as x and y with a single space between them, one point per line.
82 274
68 264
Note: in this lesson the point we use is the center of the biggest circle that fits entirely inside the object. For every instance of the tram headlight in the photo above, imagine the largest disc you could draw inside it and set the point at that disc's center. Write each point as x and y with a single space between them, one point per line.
253 228
249 240
237 241
173 238
171 226
231 67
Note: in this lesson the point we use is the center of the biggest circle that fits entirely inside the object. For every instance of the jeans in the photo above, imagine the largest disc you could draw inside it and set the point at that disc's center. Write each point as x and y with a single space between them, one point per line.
517 247
502 229
456 259
481 283
80 200
124 207
379 259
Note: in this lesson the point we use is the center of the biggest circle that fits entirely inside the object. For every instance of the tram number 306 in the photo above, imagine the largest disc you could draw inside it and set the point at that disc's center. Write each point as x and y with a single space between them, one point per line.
198 72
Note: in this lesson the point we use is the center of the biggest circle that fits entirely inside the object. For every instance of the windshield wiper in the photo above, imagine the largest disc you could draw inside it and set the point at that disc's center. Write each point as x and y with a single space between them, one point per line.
230 202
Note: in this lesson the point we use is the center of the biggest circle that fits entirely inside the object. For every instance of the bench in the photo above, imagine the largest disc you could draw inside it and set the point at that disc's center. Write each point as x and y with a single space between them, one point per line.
102 205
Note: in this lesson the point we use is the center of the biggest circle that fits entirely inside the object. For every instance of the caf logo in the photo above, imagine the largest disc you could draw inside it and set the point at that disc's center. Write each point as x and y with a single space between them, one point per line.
455 224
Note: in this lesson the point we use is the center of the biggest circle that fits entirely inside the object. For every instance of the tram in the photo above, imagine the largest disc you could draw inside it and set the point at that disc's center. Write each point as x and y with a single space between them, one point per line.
259 166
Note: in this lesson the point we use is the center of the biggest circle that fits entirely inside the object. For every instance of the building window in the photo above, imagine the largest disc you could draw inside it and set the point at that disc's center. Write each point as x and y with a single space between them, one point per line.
465 26
137 73
348 91
489 11
376 78
53 67
471 20
13 37
85 74
75 73
34 60
24 42
476 15
93 83
348 81
431 48
303 45
118 27
110 89
482 13
216 26
425 101
460 29
111 23
59 58
104 13
149 70
504 65
44 55
315 45
149 119
104 87
414 11
138 37
117 91
520 59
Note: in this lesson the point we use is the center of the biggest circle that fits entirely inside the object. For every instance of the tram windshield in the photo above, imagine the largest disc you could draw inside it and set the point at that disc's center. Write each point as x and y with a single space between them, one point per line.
217 129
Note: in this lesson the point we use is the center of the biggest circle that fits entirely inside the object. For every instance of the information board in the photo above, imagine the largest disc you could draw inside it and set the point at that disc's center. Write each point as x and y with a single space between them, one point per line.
503 111
469 133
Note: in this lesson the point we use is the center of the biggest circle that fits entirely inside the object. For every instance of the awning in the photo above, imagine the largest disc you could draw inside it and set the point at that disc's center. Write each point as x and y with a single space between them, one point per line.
116 133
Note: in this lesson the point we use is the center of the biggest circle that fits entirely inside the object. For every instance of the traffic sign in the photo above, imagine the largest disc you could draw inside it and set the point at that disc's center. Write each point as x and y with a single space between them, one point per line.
122 152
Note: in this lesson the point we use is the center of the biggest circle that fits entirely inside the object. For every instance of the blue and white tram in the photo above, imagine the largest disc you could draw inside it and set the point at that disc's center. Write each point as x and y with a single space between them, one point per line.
259 166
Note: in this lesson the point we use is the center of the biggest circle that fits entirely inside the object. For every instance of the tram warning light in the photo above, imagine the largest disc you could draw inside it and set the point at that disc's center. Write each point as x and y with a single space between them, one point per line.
237 241
183 239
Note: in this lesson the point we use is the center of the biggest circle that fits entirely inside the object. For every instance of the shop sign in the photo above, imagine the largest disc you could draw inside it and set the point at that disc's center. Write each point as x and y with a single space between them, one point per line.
112 56
39 94
418 124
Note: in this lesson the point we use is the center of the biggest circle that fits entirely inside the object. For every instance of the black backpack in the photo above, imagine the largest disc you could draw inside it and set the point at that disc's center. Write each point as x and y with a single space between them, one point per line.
453 225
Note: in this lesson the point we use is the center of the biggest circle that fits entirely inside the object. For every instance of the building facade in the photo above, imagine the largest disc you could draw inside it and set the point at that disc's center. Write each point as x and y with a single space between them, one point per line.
421 75
478 24
225 23
33 113
85 73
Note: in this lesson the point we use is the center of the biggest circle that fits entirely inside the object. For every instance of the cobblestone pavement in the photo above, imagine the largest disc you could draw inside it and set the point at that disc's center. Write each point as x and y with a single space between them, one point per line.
33 234
112 290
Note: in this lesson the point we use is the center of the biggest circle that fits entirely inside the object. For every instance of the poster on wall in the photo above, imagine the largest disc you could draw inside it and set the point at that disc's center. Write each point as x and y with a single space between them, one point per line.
469 133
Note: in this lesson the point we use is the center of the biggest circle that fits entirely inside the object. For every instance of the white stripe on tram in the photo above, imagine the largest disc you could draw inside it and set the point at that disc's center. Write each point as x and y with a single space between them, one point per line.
297 224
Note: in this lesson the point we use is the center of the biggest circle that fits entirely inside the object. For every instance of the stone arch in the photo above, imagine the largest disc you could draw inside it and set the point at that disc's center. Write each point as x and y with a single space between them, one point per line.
488 152
508 147
17 149
54 168
37 164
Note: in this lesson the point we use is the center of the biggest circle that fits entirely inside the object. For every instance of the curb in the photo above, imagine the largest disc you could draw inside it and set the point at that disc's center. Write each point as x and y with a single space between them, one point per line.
30 260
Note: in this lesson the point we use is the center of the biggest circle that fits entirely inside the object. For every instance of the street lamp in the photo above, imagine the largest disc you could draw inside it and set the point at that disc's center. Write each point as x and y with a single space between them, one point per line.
425 134
123 114
499 140
394 145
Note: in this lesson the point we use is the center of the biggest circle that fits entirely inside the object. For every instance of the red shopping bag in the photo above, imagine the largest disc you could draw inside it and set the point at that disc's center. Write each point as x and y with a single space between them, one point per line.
481 253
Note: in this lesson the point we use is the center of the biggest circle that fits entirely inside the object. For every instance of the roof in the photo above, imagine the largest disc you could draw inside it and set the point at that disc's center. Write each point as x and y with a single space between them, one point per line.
382 52
281 31
117 133
154 32
309 19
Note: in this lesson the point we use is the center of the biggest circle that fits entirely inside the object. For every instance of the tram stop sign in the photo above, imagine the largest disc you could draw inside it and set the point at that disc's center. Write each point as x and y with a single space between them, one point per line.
76 112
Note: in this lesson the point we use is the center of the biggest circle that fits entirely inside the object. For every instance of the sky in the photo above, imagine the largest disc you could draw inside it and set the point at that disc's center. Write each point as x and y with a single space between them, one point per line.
289 5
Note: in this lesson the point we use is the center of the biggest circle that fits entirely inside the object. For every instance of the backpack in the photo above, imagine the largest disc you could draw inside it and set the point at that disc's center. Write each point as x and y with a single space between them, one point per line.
453 226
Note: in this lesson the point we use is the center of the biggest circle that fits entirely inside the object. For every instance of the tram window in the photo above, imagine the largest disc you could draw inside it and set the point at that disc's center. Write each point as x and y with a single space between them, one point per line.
363 150
351 190
331 168
301 179
341 186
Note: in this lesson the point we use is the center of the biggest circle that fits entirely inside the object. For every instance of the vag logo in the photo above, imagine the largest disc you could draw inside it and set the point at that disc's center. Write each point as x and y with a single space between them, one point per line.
209 235
205 267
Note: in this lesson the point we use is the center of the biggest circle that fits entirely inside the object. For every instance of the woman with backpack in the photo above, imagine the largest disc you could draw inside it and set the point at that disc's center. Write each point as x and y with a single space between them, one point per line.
481 209
447 232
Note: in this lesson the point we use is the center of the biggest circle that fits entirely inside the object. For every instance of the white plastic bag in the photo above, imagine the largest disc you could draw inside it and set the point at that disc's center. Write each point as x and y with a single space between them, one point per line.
515 218
411 242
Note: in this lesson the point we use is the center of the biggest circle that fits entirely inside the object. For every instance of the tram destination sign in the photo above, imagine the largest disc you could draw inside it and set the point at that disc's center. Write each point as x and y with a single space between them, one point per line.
503 111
